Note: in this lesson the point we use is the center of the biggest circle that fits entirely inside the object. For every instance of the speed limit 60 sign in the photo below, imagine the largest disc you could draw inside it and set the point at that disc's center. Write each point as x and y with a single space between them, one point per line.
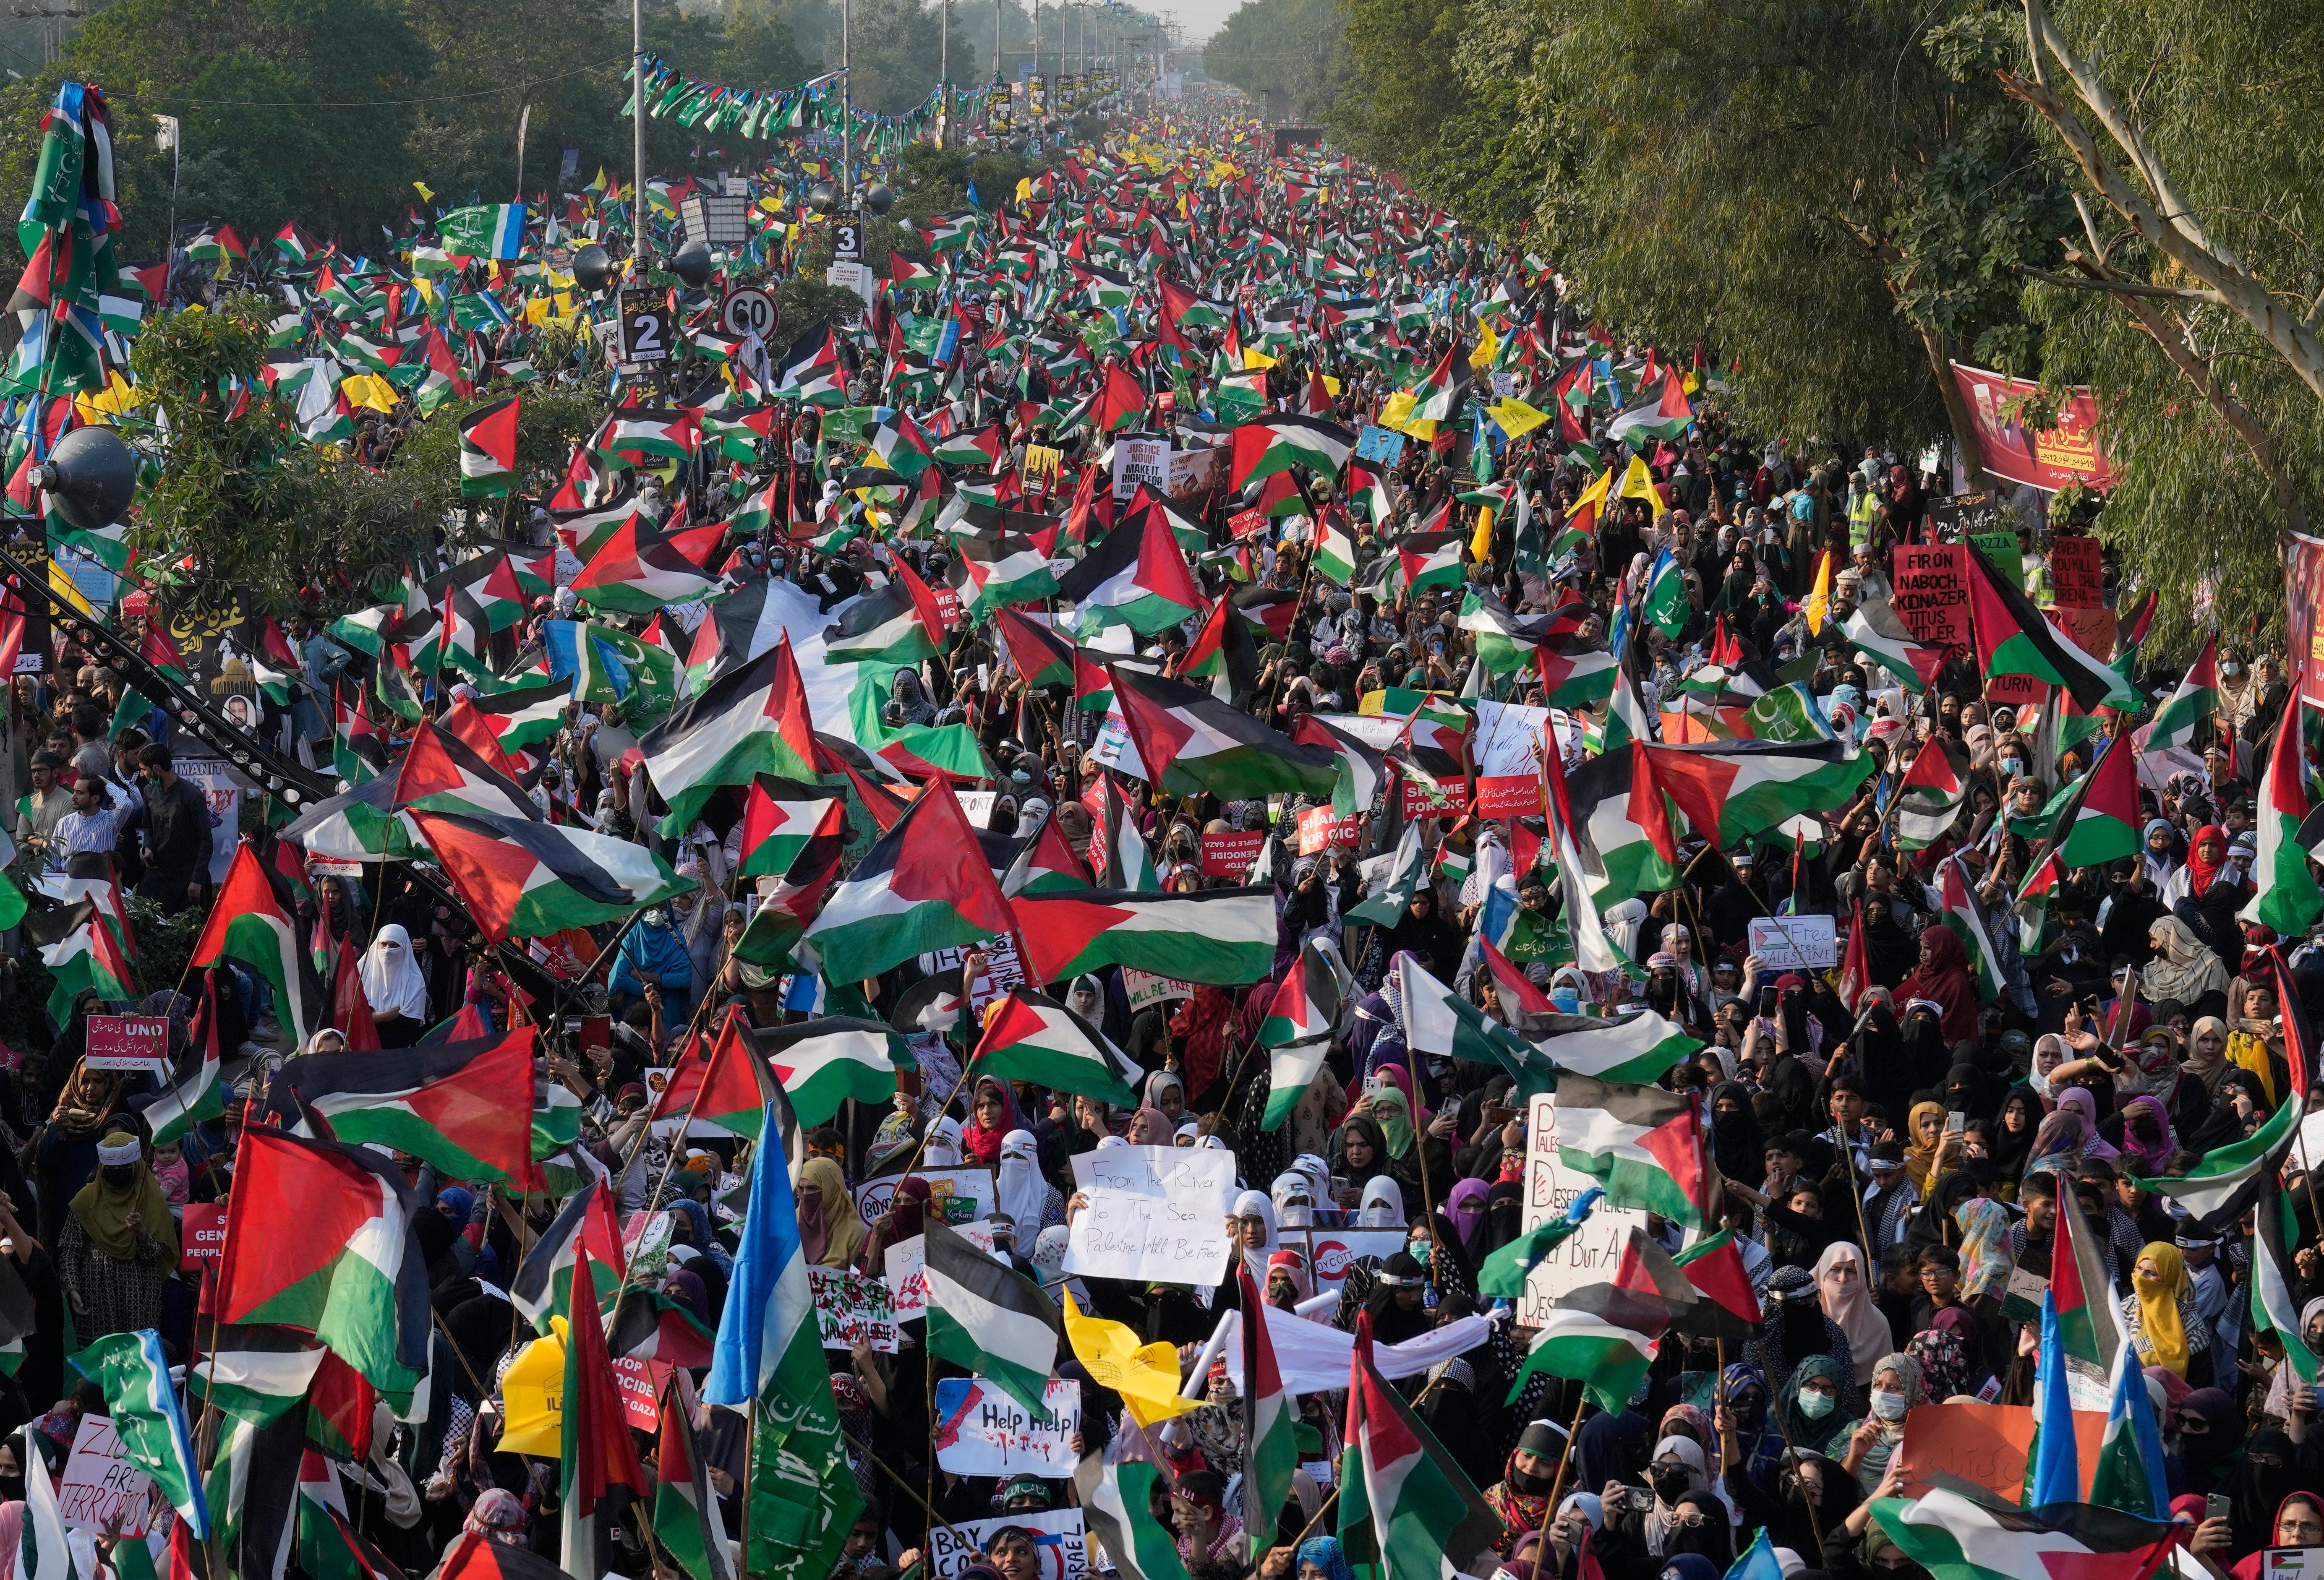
748 310
646 322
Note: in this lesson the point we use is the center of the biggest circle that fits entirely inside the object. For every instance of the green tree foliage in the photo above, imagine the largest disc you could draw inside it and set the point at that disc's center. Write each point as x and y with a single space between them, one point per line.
1287 54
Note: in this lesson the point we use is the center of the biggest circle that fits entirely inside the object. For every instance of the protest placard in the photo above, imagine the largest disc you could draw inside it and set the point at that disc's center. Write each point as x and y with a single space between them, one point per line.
1589 1257
1320 830
1332 1251
101 1482
851 1306
1379 443
1794 943
1140 458
1144 988
2001 550
2076 572
1932 595
959 1194
1057 1540
1155 1215
907 1268
1426 800
201 1238
1986 1445
1510 795
1003 970
641 1383
1229 855
128 1042
1039 472
982 1431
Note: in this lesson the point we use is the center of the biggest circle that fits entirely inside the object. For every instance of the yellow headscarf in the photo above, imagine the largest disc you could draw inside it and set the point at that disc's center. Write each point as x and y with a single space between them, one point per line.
843 1226
1920 1160
2158 1306
103 1209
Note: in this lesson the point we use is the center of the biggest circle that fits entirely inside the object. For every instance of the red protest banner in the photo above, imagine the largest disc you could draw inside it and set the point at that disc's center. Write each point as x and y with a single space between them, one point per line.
1932 595
1510 795
201 1238
1430 800
1318 829
641 1383
1230 855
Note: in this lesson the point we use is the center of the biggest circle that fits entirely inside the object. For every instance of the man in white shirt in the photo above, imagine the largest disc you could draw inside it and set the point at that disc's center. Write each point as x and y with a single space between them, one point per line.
93 824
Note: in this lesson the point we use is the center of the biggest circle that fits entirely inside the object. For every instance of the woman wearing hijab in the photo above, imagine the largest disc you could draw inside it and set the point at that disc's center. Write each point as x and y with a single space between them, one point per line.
1810 1405
1465 1206
1984 1248
1362 1154
118 1244
1521 1497
2207 1425
1841 1291
831 1231
2013 1134
992 1113
904 1218
2185 968
1027 1199
394 988
1942 978
1735 1140
2159 1316
2146 1135
1865 1447
1751 1439
1677 1471
1924 1131
1796 1329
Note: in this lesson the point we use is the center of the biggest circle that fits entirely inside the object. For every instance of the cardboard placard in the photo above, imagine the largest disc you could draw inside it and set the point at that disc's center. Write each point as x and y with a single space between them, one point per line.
960 1194
640 1383
1057 1538
1230 855
1140 460
1041 470
1003 970
982 1431
850 1306
1251 523
1986 1444
1332 1251
1379 443
1320 830
1155 1215
1144 988
201 1238
129 1042
1510 795
1795 943
907 1268
2001 548
1589 1257
102 1482
2090 630
2075 573
1932 595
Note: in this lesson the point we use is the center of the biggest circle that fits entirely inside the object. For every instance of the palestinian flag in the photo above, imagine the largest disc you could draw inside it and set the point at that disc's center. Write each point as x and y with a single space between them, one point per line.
488 449
525 714
1028 1036
640 569
1119 859
252 922
1667 416
978 450
1224 937
2032 905
252 1490
2187 709
601 1474
902 448
1045 864
1438 397
1333 558
685 1513
1137 577
474 1556
1117 1501
925 887
781 818
1634 1048
1714 1267
1270 1452
821 1062
1874 631
1121 400
1644 1144
1277 442
887 626
2287 897
1200 743
543 1285
1041 656
991 571
991 1320
1302 1019
635 435
466 1107
455 765
752 720
257 1374
1576 678
1615 797
2014 638
198 1094
1428 559
1929 799
2218 1187
1954 1535
1963 915
1403 1498
524 879
2106 817
1732 790
2273 1308
319 1235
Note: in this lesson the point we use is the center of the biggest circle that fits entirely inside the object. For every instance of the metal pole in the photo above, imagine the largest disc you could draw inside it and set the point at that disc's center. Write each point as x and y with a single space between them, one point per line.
641 241
944 76
846 113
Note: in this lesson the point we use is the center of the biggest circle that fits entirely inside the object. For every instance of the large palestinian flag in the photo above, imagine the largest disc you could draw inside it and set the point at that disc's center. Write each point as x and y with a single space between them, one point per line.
2014 638
1970 1535
925 887
466 1107
252 922
990 1319
319 1235
781 819
1137 577
1028 1036
1737 790
752 720
820 1064
1221 936
1404 1498
2187 709
1281 441
1189 741
640 569
488 449
523 880
1643 1143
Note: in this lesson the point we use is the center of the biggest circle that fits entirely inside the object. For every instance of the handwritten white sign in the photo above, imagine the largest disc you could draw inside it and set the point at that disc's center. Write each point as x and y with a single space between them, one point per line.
1058 1543
982 1431
1794 943
1588 1257
101 1481
1155 1215
907 1268
851 1306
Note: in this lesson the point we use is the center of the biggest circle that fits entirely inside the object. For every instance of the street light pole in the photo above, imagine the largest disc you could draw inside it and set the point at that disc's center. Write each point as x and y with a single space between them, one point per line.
943 75
641 241
846 113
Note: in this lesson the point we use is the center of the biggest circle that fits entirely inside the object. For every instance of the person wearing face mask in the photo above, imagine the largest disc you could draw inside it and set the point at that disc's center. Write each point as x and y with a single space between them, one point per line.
2203 1431
653 953
1521 1497
2159 1316
1750 1438
1866 1447
1675 1471
118 1244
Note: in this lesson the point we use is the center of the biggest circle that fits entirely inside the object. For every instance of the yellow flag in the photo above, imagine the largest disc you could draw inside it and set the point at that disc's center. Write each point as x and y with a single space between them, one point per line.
1146 1376
1817 605
1331 385
1487 349
1480 543
1399 409
1255 358
1595 494
1639 483
60 583
424 195
368 389
1423 429
1025 189
533 1391
1515 418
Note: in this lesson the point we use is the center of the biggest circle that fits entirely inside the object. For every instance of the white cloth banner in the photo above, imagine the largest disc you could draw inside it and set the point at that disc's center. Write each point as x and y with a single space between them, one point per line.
1314 1358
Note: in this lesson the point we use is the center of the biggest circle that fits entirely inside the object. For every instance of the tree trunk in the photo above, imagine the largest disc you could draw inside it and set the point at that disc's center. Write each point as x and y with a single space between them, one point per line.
1957 410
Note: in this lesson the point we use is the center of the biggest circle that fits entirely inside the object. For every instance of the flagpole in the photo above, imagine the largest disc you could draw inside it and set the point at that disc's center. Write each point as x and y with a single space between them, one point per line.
865 1450
641 242
1557 1483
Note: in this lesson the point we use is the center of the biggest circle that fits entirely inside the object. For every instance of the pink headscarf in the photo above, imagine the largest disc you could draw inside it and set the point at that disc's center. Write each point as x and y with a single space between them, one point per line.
2079 1100
12 1533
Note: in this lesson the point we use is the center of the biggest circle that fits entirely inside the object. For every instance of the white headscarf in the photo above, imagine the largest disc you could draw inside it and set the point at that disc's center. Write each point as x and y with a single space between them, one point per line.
1255 1204
1383 1205
1023 1192
391 977
943 1148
